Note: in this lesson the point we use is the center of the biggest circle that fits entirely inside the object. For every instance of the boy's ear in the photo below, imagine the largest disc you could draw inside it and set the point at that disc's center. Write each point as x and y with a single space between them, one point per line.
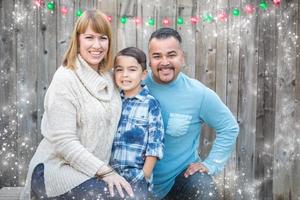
144 74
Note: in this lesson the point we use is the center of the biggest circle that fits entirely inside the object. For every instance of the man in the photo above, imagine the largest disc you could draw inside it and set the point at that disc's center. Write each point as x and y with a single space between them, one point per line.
186 104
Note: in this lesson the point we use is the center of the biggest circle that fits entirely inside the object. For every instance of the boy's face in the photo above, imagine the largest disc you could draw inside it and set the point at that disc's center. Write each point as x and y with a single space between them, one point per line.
128 75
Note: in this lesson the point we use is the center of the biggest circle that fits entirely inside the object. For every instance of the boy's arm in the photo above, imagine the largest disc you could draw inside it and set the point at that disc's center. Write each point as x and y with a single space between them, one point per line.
148 166
155 141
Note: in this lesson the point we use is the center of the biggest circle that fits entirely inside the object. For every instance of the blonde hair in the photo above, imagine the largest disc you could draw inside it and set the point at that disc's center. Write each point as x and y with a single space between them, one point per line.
98 23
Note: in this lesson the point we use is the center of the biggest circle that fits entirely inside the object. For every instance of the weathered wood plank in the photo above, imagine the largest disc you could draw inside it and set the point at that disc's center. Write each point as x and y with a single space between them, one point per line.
296 155
8 95
147 11
65 24
166 10
10 193
266 91
47 55
27 59
221 72
186 9
127 32
247 110
208 39
222 76
233 54
88 4
200 46
221 52
140 40
285 103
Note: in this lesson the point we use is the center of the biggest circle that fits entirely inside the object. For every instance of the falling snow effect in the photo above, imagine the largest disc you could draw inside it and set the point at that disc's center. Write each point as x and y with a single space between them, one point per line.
19 122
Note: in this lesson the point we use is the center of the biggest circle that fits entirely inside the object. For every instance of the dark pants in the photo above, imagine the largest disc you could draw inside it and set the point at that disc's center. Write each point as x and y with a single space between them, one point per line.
92 189
197 186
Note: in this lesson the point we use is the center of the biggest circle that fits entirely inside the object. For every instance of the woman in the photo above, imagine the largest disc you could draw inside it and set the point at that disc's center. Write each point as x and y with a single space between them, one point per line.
82 110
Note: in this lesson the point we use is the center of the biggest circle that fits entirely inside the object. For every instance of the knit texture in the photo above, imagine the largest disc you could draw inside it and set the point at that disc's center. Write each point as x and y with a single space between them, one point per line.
82 110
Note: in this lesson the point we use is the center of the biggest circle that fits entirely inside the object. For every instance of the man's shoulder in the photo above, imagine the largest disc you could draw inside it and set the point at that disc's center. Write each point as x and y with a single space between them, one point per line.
193 83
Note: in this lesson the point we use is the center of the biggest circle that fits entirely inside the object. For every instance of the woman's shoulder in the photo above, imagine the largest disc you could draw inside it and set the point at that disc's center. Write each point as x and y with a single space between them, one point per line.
64 75
63 72
63 78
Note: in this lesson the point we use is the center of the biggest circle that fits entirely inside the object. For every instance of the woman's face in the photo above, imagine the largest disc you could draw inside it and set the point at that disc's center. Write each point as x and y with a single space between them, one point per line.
93 47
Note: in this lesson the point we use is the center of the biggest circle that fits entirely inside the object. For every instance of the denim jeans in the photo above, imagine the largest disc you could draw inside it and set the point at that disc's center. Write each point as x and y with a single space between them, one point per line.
197 186
92 189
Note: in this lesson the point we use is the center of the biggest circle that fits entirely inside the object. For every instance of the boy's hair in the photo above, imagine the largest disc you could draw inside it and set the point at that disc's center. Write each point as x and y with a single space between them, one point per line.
99 23
164 33
136 53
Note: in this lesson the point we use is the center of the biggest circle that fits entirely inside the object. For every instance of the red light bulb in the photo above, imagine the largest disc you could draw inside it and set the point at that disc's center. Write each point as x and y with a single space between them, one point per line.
194 20
166 22
222 16
249 9
109 18
137 20
64 10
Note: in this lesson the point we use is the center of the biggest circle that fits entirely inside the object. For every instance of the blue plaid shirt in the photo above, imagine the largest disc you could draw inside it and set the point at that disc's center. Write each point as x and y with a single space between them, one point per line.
140 134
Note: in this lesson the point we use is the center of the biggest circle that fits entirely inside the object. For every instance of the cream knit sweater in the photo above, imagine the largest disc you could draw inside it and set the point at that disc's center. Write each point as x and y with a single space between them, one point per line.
82 110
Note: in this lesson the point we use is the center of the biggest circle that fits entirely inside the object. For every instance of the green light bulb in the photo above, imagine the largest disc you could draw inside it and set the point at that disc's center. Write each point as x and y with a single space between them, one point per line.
236 12
123 20
208 18
51 5
263 5
151 22
78 12
180 21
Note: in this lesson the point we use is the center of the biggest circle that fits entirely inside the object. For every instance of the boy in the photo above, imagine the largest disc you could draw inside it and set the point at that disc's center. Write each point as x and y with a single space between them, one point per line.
139 139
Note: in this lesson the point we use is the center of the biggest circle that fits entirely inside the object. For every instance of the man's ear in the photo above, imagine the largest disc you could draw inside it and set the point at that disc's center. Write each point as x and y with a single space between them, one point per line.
183 57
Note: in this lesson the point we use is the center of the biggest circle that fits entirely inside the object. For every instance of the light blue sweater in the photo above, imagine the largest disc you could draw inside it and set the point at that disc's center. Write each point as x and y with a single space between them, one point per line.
186 104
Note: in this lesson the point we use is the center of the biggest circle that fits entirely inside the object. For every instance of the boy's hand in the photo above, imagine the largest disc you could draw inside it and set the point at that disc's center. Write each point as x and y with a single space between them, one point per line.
195 167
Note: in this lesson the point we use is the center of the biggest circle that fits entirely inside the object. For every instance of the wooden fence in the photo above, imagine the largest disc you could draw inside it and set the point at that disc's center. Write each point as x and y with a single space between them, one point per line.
251 60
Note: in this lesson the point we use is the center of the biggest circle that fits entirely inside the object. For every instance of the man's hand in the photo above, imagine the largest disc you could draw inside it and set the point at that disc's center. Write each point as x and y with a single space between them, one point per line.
195 167
115 180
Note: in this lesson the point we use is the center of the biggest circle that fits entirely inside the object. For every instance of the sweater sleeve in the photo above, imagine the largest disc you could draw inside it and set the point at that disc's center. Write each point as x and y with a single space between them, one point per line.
59 127
216 115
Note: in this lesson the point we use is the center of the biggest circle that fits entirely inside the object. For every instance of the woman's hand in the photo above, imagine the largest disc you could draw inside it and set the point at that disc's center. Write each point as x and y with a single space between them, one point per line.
115 179
195 167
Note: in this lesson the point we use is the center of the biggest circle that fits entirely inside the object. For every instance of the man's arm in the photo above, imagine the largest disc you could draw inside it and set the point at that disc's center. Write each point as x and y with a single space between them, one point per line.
217 116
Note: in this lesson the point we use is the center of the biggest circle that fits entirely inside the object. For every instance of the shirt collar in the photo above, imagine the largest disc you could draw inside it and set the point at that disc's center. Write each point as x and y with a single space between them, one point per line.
140 96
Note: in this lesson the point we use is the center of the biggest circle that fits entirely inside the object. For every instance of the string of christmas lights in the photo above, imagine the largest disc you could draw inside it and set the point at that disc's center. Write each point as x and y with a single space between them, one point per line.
221 15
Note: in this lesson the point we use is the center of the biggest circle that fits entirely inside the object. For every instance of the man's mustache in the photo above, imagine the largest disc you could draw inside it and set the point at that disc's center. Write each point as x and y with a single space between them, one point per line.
166 67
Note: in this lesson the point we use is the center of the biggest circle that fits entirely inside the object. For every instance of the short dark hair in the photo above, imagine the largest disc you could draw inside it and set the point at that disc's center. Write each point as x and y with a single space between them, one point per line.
136 53
164 33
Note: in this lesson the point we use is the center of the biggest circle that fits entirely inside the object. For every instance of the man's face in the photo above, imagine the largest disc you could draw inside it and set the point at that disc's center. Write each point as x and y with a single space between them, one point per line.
166 58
